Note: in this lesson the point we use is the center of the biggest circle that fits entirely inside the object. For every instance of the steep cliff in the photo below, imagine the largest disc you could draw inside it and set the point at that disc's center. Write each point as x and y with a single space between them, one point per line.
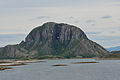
53 39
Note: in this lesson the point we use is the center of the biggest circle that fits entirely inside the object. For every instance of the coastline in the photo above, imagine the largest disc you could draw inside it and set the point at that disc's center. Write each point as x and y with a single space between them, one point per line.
8 63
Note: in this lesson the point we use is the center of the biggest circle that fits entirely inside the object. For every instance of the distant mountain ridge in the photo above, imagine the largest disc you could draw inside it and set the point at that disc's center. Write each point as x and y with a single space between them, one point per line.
116 52
54 40
114 48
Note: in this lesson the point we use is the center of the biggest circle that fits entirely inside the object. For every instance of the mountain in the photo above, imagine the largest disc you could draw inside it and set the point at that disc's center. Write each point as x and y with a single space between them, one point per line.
116 52
54 40
114 48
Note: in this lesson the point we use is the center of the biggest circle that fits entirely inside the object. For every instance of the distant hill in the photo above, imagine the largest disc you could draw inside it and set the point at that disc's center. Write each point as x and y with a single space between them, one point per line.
116 52
114 48
54 40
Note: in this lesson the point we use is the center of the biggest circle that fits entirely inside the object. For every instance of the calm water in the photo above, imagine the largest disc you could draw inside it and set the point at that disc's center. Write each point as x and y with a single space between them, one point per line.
104 70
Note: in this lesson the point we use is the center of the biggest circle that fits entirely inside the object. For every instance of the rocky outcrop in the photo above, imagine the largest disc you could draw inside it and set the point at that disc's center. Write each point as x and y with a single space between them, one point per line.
55 39
12 51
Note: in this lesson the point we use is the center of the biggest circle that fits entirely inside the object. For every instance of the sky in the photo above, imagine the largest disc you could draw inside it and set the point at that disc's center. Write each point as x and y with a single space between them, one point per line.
99 19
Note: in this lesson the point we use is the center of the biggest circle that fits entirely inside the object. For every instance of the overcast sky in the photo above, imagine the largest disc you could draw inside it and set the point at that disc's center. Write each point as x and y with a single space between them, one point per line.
99 19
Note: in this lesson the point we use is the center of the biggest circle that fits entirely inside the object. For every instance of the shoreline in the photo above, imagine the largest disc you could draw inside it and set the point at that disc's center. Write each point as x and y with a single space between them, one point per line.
8 63
108 59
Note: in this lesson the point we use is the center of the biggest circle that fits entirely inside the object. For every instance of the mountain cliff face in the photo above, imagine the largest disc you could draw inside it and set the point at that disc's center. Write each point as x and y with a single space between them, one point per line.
53 39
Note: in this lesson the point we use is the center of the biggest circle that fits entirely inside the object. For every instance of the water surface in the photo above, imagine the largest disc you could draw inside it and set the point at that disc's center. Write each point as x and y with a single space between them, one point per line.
104 70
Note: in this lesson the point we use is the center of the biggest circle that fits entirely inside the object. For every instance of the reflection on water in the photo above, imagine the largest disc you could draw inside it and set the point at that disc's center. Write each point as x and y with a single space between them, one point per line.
104 70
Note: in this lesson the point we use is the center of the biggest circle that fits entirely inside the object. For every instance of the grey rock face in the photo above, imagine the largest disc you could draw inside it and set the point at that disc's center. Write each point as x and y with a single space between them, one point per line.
55 39
12 51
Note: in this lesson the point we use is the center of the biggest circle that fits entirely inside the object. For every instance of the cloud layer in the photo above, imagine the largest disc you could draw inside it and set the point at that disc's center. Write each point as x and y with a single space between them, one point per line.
106 17
100 19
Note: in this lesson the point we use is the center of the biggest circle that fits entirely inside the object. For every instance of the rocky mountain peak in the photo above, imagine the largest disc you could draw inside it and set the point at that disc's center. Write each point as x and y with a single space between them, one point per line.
62 33
59 39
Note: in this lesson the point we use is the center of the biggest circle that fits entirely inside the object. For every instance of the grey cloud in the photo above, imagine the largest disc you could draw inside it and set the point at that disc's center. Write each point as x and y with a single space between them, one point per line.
89 21
77 21
112 32
92 33
93 24
6 39
48 3
105 41
43 17
39 3
106 17
71 17
106 38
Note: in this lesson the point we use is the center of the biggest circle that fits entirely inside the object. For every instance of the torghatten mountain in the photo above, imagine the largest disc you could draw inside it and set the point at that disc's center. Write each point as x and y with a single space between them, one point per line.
54 40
